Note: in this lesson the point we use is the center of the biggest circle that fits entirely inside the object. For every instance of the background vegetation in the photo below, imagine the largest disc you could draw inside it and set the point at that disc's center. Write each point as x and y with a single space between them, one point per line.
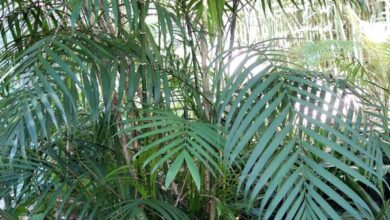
201 109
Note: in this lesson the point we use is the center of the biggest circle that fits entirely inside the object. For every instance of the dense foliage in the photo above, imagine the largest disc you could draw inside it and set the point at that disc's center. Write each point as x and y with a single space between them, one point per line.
155 109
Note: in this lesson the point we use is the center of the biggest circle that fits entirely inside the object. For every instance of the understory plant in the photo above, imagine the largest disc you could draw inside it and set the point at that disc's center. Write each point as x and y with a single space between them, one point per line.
119 109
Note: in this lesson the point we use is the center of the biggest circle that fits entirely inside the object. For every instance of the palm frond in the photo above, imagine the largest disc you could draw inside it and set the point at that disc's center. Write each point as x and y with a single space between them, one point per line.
298 136
75 185
174 141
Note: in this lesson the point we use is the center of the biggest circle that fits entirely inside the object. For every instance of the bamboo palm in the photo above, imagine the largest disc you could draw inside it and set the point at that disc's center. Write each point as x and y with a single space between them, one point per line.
119 109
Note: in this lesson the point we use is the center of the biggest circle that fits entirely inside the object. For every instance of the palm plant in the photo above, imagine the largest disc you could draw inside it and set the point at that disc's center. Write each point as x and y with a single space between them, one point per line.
128 110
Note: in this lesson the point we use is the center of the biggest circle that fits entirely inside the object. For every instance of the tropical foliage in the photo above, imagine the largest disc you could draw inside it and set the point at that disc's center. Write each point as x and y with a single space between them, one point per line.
120 109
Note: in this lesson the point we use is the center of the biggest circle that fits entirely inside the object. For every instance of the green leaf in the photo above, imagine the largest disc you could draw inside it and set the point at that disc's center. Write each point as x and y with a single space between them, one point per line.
266 126
174 169
193 168
76 12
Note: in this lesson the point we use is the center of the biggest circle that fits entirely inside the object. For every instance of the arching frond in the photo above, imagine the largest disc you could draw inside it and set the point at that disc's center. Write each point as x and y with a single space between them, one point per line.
77 185
173 141
299 137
